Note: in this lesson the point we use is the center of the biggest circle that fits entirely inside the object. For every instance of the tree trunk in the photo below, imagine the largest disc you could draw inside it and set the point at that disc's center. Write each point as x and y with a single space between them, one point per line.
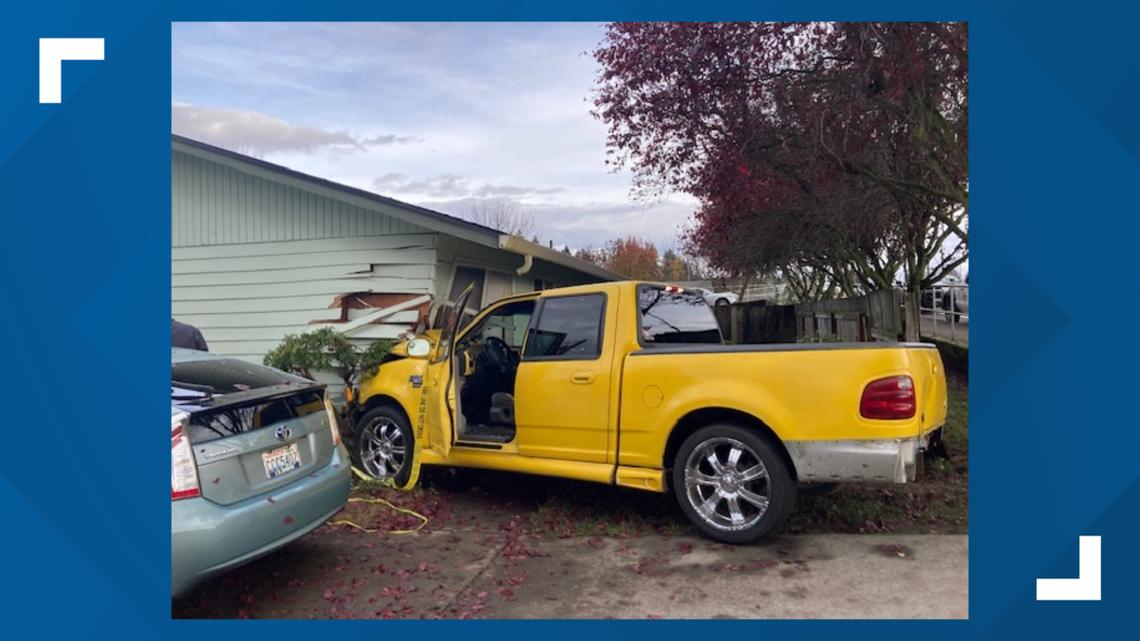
911 308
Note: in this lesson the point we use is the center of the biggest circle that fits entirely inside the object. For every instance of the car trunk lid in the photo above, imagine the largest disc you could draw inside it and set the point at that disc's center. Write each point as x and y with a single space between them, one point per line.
251 428
251 443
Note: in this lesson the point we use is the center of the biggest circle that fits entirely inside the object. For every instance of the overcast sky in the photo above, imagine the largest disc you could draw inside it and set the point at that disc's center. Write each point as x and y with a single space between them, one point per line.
433 114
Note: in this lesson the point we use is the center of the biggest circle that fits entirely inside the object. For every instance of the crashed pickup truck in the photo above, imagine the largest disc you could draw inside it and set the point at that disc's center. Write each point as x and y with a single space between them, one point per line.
630 384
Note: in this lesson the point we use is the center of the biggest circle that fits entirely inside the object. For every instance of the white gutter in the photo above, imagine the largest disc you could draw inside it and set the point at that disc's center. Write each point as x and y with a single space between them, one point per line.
529 251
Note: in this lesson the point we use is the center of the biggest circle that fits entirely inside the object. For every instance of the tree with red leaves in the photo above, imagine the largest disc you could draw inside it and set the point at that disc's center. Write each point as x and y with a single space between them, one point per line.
834 153
632 257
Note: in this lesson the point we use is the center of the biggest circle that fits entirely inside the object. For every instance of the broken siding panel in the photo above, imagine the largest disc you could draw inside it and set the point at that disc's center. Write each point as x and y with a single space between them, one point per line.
316 304
250 297
371 332
260 320
299 275
247 301
349 243
414 256
279 320
330 287
405 317
388 331
215 204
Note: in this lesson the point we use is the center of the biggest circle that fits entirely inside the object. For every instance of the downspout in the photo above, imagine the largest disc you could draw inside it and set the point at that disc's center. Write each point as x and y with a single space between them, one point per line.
507 242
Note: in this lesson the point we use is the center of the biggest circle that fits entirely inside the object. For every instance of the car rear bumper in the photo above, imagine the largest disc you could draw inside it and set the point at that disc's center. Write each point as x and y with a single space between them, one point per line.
883 460
207 539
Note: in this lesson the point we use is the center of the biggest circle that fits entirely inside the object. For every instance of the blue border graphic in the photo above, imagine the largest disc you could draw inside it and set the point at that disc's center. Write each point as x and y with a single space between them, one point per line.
1055 426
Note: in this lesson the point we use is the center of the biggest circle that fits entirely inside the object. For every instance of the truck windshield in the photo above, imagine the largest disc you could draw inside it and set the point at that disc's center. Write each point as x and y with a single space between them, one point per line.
672 317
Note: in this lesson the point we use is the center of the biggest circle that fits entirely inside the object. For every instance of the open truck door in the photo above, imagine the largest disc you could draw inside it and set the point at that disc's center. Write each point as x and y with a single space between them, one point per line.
437 404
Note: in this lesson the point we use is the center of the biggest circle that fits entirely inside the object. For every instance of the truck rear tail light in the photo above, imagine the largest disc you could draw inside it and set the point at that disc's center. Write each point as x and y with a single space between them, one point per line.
889 398
183 471
333 425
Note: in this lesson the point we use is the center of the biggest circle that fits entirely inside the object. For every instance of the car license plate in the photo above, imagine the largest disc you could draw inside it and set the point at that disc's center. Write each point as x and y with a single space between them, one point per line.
281 461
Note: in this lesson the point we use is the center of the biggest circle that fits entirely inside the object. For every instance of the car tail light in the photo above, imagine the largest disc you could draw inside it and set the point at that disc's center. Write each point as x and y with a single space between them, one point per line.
333 425
183 472
889 398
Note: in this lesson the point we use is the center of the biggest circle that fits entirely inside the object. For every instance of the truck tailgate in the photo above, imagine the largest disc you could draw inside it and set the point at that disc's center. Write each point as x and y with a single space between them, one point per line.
930 383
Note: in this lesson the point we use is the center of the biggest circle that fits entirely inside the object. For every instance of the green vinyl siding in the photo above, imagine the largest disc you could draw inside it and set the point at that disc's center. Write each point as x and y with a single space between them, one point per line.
215 204
254 260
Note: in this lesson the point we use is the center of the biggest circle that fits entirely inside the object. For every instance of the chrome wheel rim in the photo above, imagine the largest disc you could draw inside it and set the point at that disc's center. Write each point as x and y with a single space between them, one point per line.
727 484
383 447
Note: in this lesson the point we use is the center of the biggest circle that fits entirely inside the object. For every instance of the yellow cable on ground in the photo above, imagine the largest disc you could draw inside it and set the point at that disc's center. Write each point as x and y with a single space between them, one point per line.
423 519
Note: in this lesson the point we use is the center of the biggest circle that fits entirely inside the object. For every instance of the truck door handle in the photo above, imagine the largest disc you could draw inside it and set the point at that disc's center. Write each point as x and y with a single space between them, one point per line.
582 377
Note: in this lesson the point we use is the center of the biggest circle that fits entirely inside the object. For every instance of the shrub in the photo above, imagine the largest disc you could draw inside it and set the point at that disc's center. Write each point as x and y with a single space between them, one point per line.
327 349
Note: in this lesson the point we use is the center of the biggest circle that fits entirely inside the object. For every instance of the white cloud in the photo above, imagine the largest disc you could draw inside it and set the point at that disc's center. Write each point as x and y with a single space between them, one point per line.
483 110
452 186
442 186
259 134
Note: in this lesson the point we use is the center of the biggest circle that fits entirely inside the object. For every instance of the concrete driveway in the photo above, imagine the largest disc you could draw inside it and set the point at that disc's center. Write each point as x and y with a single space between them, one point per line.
479 559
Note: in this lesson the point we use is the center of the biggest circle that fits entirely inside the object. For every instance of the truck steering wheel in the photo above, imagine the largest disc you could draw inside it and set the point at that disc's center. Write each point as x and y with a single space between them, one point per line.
497 354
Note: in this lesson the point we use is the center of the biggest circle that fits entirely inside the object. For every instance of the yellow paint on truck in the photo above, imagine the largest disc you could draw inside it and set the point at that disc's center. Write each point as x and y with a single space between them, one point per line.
618 412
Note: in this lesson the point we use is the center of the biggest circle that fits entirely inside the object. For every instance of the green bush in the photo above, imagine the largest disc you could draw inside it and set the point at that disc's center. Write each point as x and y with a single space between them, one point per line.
327 349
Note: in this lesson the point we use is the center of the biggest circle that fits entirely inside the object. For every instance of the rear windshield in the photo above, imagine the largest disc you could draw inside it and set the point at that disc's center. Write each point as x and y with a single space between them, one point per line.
670 318
227 420
221 395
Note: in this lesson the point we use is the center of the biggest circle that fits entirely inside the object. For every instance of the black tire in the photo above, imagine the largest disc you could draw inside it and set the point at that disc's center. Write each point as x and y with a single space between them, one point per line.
779 484
366 453
720 302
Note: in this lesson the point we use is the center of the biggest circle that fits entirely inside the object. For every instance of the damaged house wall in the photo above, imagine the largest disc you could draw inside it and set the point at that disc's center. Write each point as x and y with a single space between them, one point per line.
260 251
254 260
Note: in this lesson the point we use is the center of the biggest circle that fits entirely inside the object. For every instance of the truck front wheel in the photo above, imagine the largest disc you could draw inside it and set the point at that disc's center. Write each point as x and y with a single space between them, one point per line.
384 444
732 483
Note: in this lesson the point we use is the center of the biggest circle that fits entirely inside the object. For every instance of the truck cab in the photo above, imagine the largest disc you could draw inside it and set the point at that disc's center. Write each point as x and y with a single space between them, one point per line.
630 384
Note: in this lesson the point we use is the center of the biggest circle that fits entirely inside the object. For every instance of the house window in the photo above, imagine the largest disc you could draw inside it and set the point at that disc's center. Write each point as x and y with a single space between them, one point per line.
541 285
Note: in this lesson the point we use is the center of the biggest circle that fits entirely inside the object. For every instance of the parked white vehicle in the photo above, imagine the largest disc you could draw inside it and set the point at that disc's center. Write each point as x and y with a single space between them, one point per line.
715 298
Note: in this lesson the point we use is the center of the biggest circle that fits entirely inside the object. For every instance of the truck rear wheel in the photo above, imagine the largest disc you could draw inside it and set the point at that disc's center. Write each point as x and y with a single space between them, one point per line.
732 483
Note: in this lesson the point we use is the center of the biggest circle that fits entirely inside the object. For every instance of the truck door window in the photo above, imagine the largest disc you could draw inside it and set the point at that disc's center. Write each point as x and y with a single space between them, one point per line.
672 317
508 323
568 328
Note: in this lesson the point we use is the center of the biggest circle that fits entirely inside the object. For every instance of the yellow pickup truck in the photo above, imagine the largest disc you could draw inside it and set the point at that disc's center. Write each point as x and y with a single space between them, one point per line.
630 384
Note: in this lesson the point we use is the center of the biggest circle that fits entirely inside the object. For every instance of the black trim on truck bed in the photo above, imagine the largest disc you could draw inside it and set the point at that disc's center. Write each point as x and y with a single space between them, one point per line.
774 347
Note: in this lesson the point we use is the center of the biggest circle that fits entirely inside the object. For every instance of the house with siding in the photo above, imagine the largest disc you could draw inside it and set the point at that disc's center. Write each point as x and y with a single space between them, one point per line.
260 251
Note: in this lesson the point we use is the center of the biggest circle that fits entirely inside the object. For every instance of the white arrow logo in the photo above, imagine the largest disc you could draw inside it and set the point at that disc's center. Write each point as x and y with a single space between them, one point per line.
1086 587
53 51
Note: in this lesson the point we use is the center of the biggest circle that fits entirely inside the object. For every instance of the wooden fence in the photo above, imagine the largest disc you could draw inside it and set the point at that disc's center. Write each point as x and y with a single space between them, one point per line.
757 322
875 317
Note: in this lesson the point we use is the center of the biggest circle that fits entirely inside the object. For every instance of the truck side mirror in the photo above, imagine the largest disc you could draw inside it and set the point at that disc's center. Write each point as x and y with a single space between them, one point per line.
418 348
